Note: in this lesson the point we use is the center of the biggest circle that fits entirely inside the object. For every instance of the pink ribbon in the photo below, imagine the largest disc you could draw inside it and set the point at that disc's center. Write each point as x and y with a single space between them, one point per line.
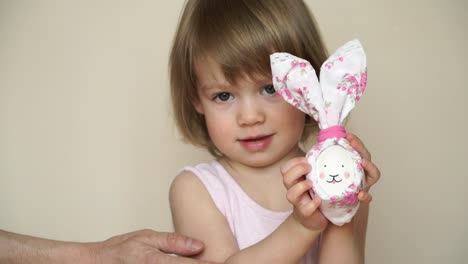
332 132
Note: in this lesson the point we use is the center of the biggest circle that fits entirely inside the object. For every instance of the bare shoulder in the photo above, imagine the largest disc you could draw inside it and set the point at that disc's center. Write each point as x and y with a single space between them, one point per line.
195 214
187 188
187 195
184 181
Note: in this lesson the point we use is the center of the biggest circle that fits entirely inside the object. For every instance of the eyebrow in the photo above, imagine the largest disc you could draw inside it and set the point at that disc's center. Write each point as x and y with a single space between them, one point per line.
228 86
215 86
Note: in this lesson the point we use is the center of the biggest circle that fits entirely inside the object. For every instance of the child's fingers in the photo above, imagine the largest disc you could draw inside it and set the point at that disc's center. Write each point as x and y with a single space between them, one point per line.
364 197
295 174
291 163
357 144
297 194
372 173
310 208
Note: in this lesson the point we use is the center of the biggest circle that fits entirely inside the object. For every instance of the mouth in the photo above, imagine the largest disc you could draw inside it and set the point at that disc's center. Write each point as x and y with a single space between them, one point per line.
255 138
256 143
334 180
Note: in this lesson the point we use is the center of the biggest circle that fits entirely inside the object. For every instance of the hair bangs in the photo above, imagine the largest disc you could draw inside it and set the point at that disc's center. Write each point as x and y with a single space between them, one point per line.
238 37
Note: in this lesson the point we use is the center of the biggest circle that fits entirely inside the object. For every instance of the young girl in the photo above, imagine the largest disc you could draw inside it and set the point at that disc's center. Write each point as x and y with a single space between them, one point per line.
224 100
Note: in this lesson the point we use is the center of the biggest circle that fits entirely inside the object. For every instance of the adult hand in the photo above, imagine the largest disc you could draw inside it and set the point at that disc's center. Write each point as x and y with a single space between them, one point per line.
146 247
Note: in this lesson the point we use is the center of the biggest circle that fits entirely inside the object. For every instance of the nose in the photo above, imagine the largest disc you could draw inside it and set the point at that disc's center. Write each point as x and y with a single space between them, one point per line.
250 113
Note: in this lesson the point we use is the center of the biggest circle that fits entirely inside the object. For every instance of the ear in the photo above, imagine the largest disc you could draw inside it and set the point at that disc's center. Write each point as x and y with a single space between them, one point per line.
198 106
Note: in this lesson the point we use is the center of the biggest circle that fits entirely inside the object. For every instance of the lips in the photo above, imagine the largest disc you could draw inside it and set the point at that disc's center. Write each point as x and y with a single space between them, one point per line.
256 143
334 179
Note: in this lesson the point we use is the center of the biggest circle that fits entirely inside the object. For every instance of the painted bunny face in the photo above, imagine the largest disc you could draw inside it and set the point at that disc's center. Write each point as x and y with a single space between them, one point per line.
335 169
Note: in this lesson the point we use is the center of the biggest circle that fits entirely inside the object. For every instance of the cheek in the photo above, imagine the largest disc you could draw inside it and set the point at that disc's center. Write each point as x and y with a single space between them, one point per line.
218 128
346 175
322 175
291 118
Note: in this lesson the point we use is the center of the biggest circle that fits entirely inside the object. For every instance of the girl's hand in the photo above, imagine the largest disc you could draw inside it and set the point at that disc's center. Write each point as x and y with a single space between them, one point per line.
371 171
305 209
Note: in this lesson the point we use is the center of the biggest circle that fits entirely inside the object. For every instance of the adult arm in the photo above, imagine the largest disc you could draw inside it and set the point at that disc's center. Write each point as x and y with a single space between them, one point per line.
144 246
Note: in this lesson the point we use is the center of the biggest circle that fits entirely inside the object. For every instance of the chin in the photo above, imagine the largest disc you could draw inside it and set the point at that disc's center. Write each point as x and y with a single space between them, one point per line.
260 160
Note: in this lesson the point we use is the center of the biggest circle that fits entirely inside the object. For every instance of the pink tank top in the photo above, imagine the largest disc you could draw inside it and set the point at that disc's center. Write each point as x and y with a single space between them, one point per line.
249 222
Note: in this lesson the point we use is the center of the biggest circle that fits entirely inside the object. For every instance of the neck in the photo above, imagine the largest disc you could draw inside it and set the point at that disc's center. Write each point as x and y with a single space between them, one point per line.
239 170
263 184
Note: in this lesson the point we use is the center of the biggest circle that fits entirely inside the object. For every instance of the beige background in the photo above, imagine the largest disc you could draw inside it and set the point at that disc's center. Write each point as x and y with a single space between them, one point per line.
88 148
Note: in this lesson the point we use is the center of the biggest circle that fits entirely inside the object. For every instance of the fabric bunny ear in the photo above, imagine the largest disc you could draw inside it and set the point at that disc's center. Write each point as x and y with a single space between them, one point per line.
343 78
296 82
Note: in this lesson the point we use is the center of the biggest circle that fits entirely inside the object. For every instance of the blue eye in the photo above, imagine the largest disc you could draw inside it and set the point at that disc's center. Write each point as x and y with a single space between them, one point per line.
269 90
223 97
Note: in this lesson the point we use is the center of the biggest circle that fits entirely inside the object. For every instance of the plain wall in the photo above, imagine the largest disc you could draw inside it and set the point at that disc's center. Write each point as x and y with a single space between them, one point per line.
88 147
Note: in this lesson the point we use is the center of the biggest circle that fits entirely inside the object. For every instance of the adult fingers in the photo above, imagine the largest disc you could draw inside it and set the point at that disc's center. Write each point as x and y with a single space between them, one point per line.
372 173
120 238
167 259
291 163
177 244
359 146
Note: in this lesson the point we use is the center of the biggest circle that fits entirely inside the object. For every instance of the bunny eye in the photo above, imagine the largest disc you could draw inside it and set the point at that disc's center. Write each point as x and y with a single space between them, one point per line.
325 165
342 166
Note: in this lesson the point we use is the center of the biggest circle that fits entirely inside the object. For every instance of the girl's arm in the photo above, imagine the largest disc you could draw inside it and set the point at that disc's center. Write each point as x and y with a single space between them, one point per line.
350 238
344 244
195 214
287 244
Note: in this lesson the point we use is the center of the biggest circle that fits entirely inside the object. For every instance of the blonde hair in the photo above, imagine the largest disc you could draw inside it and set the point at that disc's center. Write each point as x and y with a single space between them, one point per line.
240 35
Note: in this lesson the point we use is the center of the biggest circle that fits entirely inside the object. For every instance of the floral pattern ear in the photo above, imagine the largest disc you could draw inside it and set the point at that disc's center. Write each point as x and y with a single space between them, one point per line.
337 173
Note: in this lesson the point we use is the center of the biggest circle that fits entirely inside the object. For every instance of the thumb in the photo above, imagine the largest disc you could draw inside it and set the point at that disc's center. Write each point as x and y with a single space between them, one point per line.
173 243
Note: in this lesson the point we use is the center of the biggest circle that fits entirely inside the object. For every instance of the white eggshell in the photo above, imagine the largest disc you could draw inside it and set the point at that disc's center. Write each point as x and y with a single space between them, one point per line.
335 170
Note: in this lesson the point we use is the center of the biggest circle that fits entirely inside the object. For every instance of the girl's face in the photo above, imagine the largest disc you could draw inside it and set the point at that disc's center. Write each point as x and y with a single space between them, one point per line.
248 122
